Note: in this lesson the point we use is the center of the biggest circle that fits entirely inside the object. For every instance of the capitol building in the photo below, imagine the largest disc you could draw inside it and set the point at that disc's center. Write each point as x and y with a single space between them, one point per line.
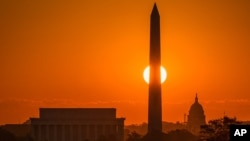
196 117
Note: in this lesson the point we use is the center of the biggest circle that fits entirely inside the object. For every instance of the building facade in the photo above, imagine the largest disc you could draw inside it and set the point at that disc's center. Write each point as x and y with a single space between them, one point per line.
77 124
196 117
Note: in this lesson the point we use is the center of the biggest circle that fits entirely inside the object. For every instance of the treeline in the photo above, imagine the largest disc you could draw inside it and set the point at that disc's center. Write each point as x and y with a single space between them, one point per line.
176 135
143 128
7 136
215 130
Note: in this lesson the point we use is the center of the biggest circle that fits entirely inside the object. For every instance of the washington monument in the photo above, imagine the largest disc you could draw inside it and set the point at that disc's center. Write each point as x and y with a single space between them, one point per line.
154 100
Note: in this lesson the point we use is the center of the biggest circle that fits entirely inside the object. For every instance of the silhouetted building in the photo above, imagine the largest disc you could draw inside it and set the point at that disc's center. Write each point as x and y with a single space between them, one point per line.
77 124
196 117
154 101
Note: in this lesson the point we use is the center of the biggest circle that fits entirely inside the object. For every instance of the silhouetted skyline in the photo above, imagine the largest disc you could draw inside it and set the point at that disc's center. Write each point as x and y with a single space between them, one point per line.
93 53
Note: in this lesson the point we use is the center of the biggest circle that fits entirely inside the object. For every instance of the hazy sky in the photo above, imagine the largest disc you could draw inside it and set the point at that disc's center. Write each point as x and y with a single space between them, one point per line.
92 53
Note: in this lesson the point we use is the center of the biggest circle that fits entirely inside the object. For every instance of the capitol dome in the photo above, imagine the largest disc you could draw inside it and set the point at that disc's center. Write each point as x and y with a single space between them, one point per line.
196 116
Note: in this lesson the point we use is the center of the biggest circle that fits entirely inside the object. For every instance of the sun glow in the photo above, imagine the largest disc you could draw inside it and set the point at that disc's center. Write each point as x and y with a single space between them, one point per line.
163 74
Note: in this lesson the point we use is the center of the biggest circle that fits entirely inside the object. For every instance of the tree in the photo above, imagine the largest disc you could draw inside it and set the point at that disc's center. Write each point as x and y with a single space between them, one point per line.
180 135
217 130
134 136
110 137
25 138
6 136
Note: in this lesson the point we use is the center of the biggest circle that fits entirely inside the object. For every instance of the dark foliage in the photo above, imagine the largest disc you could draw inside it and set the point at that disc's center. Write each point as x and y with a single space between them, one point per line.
156 136
107 138
26 138
134 136
217 130
6 136
180 135
175 135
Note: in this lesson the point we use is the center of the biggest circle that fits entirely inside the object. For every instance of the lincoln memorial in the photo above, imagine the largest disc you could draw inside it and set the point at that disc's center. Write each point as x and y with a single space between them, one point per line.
77 124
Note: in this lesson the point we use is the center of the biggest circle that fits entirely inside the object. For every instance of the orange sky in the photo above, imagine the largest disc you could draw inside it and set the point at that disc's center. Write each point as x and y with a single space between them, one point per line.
93 53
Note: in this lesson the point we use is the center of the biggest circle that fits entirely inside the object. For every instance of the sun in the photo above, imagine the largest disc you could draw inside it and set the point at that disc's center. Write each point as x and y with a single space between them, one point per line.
163 74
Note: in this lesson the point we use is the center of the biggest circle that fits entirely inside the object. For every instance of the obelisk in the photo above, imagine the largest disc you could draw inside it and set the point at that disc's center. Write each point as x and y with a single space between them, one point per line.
154 101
